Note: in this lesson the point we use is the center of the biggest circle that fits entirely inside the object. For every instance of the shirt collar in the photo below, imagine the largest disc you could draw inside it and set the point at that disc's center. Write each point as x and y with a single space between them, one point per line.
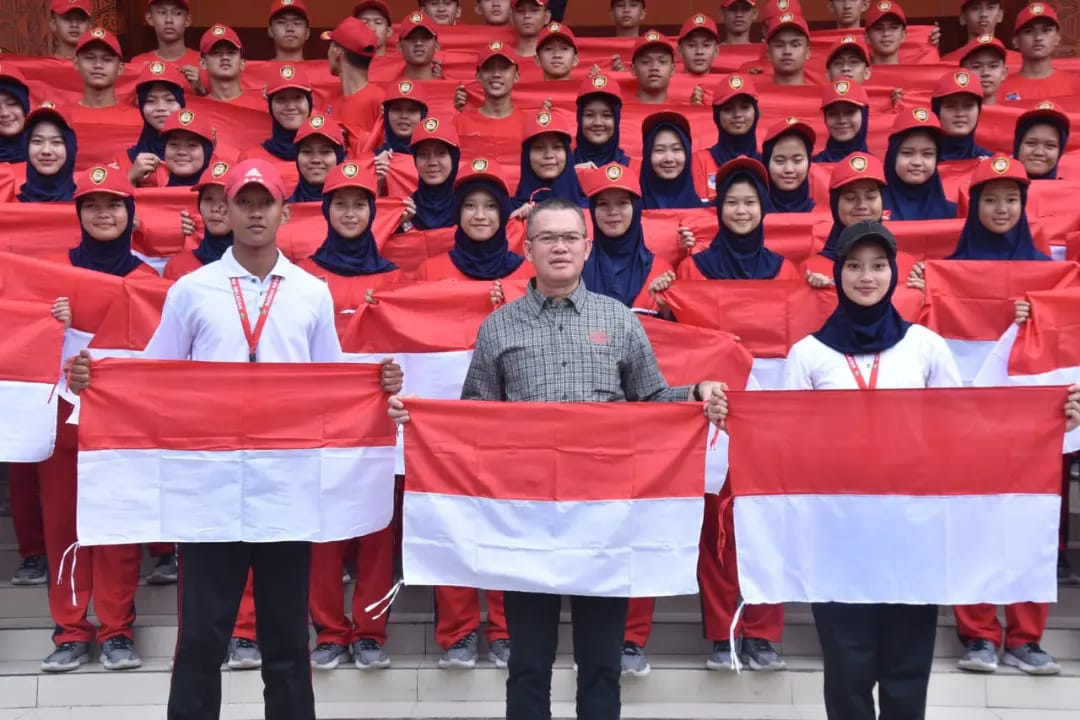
538 302
234 269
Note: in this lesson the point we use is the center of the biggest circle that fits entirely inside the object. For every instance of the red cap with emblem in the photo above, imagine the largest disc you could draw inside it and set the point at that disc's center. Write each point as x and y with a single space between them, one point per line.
432 128
957 82
189 121
857 166
847 91
916 118
157 71
554 30
851 43
404 90
415 20
255 172
216 34
768 10
787 21
372 5
699 22
999 167
983 42
1047 110
48 110
600 85
792 125
665 117
546 121
495 48
101 36
880 9
280 6
742 164
216 173
731 86
103 179
612 176
355 36
1035 11
541 3
480 169
350 174
62 7
652 39
10 72
185 3
319 124
288 76
729 3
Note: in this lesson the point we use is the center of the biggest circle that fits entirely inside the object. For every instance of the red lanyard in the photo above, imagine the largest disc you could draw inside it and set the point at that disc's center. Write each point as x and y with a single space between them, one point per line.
854 367
253 336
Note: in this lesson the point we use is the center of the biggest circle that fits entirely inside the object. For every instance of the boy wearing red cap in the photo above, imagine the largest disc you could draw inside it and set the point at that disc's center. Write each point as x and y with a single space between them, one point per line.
418 41
495 126
737 17
223 60
494 12
376 15
985 58
68 20
627 16
169 19
787 45
980 17
653 66
699 44
848 58
529 19
442 12
556 52
886 31
97 58
848 13
289 28
1037 35
353 45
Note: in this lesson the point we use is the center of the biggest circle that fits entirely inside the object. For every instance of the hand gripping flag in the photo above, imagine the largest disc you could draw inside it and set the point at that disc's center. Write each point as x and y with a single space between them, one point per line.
601 499
29 356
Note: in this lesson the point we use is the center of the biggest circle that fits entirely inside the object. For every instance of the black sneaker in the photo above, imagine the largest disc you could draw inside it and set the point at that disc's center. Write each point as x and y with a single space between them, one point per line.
759 654
34 570
720 659
634 661
165 572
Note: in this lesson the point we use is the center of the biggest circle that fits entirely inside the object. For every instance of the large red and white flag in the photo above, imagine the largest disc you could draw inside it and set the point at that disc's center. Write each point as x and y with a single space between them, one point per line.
877 503
29 356
602 499
1045 350
218 452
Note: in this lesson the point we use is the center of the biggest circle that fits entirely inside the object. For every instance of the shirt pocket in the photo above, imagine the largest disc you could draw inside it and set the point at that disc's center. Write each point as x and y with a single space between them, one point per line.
602 373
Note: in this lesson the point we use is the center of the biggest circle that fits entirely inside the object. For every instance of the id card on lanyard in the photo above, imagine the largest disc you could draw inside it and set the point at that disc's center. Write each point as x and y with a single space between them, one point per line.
252 336
859 379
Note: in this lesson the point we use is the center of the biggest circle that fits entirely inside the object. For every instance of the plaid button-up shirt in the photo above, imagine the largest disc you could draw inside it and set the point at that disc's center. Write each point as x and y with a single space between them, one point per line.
585 348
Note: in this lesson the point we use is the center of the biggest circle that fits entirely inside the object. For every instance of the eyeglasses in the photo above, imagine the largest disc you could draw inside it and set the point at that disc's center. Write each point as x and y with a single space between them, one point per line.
569 238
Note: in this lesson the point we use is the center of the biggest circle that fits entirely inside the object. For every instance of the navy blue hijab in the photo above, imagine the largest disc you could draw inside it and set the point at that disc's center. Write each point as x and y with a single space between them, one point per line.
50 188
393 141
789 201
150 140
829 250
606 152
191 180
282 143
211 246
856 330
436 205
729 147
835 151
1063 137
959 148
731 256
306 191
491 259
618 266
113 257
979 243
350 257
13 149
565 186
913 202
659 194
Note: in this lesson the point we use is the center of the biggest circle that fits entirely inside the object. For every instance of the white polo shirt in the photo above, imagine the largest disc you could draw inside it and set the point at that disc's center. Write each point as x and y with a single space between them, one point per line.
200 320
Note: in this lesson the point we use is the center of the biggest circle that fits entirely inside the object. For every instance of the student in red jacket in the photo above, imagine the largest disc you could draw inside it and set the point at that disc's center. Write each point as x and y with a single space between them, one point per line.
376 15
1040 139
737 17
68 20
320 146
289 28
436 153
556 52
14 107
189 142
653 66
886 31
159 92
1037 35
290 99
736 115
985 58
217 233
627 16
699 44
786 152
170 19
50 164
352 48
849 58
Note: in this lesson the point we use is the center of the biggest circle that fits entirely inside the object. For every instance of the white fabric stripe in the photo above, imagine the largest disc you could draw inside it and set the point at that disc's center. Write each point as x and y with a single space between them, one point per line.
158 263
28 421
613 548
956 550
139 496
970 356
767 373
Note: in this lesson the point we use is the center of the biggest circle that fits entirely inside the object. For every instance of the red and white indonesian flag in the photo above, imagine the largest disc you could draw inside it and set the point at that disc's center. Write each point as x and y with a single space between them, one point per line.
220 452
1045 350
879 501
29 355
602 499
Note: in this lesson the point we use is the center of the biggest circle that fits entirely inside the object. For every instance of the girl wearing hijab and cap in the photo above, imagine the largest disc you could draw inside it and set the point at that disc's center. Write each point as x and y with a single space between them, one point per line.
738 251
217 234
291 103
50 157
160 93
866 345
1040 140
599 113
914 190
14 107
667 180
436 154
319 147
957 101
736 115
846 107
189 145
546 167
786 153
403 108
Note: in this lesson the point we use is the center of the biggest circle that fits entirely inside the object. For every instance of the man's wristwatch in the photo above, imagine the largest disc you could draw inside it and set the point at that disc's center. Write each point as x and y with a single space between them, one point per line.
697 392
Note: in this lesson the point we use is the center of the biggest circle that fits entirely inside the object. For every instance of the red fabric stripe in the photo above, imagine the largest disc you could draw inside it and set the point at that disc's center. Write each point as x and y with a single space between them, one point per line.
963 441
133 316
150 404
1050 339
305 231
555 451
688 354
31 342
91 293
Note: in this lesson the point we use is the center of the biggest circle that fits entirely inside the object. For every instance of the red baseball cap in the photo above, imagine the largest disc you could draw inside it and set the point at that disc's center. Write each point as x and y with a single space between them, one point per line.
882 8
372 4
350 174
103 179
219 33
672 118
157 71
1035 11
845 91
600 85
62 7
917 118
215 174
744 164
255 172
849 42
98 35
319 124
999 167
190 121
980 43
288 76
355 36
12 73
495 48
771 9
651 39
417 19
1048 110
792 125
185 3
699 21
480 169
431 128
957 82
547 121
48 109
552 30
857 166
404 90
612 176
732 86
541 3
280 6
729 3
787 21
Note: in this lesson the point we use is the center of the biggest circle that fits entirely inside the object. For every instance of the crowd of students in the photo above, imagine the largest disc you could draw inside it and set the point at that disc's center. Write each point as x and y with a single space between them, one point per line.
469 129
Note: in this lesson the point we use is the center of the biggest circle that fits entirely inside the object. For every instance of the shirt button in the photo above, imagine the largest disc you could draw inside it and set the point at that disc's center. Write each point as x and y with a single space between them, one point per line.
560 328
564 396
564 363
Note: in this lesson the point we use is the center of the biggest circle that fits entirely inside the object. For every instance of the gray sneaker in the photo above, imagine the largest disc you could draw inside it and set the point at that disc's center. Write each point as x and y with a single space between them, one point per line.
979 656
34 570
1065 574
328 655
720 659
759 654
634 661
462 654
118 653
66 657
1031 659
369 655
499 652
165 572
244 655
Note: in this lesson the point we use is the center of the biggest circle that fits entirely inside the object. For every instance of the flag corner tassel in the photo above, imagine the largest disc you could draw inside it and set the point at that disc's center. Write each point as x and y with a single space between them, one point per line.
388 598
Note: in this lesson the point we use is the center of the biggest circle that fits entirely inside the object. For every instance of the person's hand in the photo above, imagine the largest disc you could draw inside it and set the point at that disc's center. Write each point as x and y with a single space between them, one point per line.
617 63
497 295
409 211
61 310
436 69
546 105
1072 409
461 98
78 378
391 376
687 240
522 212
896 96
716 406
382 164
698 96
1023 311
756 70
595 70
194 78
935 35
817 280
187 224
589 165
917 277
143 164
397 412
369 297
659 285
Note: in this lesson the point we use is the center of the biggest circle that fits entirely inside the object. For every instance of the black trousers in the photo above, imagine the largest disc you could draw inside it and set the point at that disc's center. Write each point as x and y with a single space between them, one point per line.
212 578
532 620
890 645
